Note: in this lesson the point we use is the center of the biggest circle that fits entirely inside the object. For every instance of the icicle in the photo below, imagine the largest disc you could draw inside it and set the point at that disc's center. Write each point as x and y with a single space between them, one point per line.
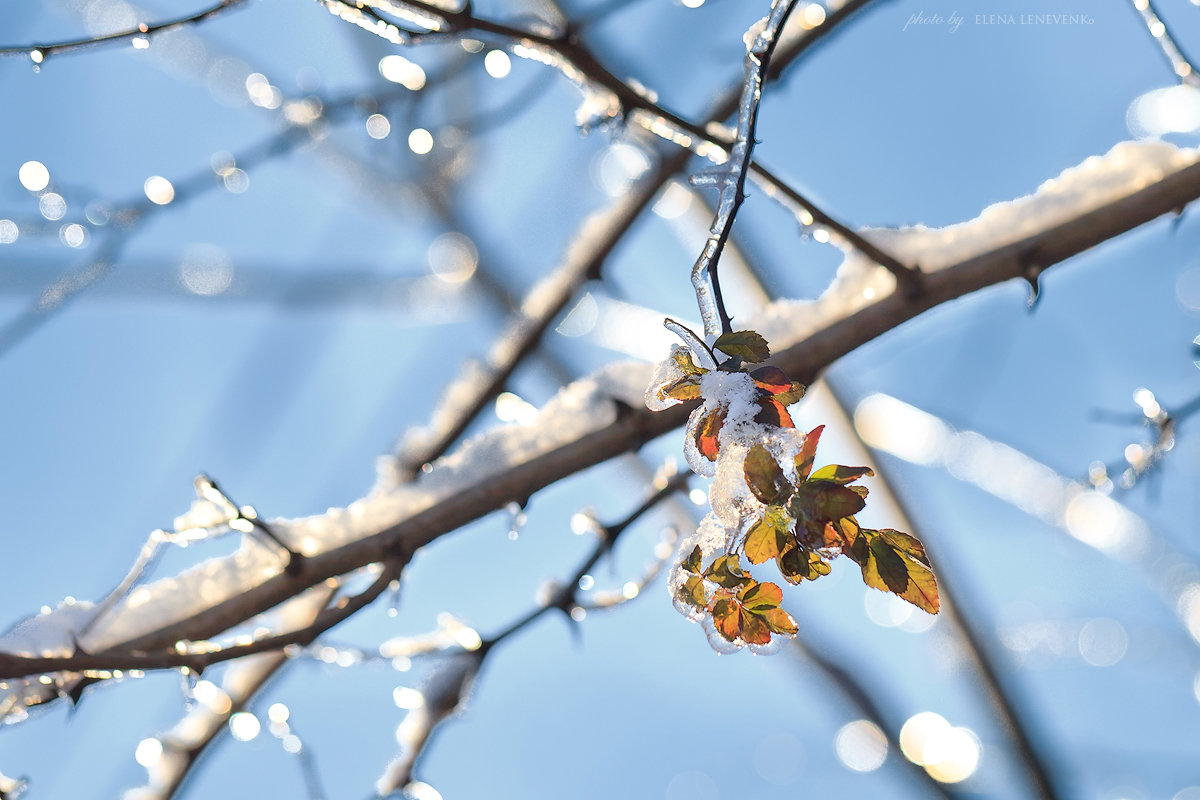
517 518
393 599
188 679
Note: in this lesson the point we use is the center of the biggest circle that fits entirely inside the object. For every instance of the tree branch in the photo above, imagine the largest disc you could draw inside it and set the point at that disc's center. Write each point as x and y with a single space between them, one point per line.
383 533
731 179
40 52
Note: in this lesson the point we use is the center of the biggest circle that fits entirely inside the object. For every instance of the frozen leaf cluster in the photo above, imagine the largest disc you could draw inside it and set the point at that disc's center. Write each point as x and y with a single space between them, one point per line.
768 502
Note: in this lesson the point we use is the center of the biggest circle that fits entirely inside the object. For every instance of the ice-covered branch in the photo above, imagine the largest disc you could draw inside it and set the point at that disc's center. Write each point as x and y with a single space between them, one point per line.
139 36
599 417
731 180
454 673
468 394
1181 65
170 756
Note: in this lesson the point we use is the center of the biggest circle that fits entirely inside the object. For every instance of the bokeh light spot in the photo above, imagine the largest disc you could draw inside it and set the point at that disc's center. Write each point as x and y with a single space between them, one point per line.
159 190
861 746
34 176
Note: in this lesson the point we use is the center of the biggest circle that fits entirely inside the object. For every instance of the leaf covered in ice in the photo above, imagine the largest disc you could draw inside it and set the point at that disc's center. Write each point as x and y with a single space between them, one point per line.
769 503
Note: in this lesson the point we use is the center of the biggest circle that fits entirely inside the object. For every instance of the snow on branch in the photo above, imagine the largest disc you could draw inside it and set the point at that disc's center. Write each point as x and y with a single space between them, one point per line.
599 417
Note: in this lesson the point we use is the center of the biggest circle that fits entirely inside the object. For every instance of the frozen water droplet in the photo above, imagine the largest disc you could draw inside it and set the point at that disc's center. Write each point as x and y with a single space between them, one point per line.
393 599
188 681
517 517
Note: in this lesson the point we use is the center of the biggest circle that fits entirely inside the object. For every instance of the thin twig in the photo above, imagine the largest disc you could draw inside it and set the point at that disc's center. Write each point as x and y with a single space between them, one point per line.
184 744
567 595
856 692
1012 714
577 61
732 178
451 683
582 262
1180 64
40 52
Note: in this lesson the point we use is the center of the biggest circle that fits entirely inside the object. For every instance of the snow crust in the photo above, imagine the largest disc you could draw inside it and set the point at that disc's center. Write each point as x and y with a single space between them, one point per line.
1098 181
583 407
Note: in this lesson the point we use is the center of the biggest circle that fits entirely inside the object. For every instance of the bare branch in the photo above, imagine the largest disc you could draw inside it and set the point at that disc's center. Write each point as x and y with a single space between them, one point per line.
139 36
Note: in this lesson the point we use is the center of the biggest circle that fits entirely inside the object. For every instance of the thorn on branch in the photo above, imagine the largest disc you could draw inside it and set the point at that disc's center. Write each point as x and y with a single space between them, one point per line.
910 282
246 520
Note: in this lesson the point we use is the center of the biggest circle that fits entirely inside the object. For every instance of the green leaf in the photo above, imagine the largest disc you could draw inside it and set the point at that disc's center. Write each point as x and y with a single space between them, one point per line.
769 535
725 571
797 564
764 475
762 542
888 565
826 501
922 589
906 544
692 592
746 345
692 562
842 475
683 389
683 360
791 395
761 595
808 452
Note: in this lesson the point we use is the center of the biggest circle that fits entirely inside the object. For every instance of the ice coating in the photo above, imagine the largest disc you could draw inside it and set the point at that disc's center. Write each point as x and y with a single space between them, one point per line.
738 399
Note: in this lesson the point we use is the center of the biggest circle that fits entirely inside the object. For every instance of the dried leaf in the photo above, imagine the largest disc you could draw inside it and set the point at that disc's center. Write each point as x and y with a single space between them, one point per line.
692 562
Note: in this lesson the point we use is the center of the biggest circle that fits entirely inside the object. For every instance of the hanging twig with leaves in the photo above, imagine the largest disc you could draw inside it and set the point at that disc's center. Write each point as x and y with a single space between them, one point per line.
767 501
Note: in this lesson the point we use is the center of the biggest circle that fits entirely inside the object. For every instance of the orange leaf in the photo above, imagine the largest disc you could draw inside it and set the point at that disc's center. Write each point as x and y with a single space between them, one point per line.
804 459
773 413
773 379
706 434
